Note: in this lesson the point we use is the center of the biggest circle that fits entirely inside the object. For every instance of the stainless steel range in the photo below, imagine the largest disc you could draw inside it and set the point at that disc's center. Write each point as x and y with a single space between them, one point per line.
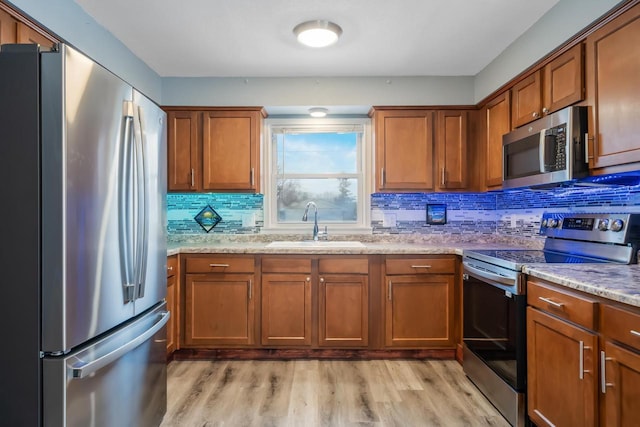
494 297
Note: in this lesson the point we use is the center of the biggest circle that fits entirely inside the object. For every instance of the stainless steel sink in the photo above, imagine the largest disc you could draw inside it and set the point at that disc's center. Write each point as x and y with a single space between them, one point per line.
316 244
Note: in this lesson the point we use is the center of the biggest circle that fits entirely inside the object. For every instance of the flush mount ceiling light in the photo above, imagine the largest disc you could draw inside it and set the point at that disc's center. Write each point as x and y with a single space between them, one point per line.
318 112
317 33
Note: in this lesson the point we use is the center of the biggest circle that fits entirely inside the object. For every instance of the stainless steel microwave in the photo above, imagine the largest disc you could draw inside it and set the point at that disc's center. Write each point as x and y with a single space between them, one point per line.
547 151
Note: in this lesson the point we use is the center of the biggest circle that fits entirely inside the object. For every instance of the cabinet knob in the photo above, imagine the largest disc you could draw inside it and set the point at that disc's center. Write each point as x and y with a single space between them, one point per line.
170 268
322 280
535 115
308 279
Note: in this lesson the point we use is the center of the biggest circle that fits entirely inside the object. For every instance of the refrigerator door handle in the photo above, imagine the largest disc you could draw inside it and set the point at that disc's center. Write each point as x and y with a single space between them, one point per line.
124 205
83 370
142 202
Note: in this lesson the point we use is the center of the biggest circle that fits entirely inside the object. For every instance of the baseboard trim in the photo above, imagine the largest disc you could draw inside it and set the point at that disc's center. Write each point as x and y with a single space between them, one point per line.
338 354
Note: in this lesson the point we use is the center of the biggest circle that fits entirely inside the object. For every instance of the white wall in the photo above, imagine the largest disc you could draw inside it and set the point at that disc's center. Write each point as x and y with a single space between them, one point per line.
333 91
66 19
69 21
562 22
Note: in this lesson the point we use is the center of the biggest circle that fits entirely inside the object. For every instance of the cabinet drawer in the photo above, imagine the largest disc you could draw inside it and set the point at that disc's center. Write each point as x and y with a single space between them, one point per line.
420 265
172 266
286 265
621 325
344 265
561 303
220 264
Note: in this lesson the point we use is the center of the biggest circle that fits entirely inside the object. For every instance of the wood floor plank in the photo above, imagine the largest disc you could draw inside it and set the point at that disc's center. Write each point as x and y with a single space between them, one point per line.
324 393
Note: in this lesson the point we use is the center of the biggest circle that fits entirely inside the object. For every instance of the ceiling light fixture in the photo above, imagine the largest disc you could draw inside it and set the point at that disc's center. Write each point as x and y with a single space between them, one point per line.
318 112
317 33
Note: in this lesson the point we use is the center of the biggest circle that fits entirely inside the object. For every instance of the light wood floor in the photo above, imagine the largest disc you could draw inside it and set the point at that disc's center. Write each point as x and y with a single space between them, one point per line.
313 393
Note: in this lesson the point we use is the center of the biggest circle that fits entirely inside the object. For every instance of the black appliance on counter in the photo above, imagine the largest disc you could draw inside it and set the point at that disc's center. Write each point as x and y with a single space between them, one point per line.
494 297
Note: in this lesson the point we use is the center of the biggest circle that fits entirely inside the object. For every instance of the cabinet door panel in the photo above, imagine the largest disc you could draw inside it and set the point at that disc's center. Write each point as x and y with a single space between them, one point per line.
563 80
219 309
556 392
172 302
527 100
419 311
182 138
613 69
498 117
286 309
228 151
622 376
405 150
343 307
452 149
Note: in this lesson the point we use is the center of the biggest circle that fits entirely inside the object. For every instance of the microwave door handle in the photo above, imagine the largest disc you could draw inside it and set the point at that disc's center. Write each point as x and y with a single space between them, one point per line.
542 150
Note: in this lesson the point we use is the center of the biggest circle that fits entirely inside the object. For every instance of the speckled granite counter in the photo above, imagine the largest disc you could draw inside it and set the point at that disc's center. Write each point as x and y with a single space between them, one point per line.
612 281
616 282
372 244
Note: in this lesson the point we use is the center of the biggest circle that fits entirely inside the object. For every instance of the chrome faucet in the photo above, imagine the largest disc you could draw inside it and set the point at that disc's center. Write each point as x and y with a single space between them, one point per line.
315 220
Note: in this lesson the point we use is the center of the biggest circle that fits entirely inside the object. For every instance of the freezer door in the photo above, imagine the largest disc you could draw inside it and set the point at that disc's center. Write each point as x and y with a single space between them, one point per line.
86 287
118 381
150 139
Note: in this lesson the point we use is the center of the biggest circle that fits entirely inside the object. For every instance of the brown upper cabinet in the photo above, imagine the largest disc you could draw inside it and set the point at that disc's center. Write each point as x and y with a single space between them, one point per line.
404 149
451 142
28 35
8 28
14 29
214 149
497 116
559 84
613 64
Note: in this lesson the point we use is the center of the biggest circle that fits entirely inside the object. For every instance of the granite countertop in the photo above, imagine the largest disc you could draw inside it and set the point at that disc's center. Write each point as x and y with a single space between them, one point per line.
616 282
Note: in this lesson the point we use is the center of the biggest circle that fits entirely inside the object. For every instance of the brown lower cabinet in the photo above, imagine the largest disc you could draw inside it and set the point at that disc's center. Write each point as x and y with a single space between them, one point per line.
419 302
319 302
583 358
172 303
220 301
561 367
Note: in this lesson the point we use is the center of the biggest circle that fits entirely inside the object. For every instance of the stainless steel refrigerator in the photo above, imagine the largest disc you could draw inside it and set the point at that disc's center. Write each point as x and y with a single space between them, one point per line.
83 172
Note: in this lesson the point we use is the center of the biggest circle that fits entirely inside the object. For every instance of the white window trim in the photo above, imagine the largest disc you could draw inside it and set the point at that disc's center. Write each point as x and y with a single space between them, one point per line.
271 225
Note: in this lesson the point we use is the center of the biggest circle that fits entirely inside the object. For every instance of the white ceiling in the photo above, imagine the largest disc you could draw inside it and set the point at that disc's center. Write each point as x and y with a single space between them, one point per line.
254 38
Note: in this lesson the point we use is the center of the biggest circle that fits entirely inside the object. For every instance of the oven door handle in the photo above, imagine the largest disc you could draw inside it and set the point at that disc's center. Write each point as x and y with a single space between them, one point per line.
486 275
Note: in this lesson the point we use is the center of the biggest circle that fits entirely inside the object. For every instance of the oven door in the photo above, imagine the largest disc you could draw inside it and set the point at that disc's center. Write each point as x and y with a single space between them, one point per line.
494 327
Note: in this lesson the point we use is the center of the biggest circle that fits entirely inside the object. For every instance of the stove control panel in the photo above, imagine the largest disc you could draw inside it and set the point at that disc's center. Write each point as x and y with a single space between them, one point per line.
605 227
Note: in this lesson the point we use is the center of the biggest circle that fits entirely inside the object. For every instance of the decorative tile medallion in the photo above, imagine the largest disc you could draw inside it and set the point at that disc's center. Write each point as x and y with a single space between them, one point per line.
208 218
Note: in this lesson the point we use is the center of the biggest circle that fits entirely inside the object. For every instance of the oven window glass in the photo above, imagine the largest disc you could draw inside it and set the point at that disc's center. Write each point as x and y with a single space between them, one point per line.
494 329
522 158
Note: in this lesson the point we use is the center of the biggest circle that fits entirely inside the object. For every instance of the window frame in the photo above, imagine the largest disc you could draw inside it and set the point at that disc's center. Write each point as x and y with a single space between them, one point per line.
364 188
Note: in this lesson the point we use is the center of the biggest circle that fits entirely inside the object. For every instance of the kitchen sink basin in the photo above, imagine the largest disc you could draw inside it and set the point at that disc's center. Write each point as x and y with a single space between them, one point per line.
313 244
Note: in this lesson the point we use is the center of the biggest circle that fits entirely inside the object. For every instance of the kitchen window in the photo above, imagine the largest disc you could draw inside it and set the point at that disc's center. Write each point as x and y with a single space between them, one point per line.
324 161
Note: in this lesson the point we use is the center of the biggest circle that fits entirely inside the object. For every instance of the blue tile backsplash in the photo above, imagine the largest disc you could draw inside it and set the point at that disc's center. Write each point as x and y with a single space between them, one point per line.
513 213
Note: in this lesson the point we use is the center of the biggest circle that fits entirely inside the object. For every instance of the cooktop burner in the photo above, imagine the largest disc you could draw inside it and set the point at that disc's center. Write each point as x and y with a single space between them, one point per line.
516 258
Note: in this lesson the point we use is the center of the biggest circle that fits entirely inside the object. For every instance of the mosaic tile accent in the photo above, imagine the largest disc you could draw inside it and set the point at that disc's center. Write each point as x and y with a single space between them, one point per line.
405 213
514 213
241 213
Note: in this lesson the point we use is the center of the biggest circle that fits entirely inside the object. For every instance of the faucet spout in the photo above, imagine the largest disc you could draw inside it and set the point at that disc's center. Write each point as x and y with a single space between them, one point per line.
315 218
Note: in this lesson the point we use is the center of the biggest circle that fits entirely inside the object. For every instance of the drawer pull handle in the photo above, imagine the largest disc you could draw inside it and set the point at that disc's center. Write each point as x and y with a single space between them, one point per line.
582 370
390 292
420 266
219 265
635 333
551 302
603 372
